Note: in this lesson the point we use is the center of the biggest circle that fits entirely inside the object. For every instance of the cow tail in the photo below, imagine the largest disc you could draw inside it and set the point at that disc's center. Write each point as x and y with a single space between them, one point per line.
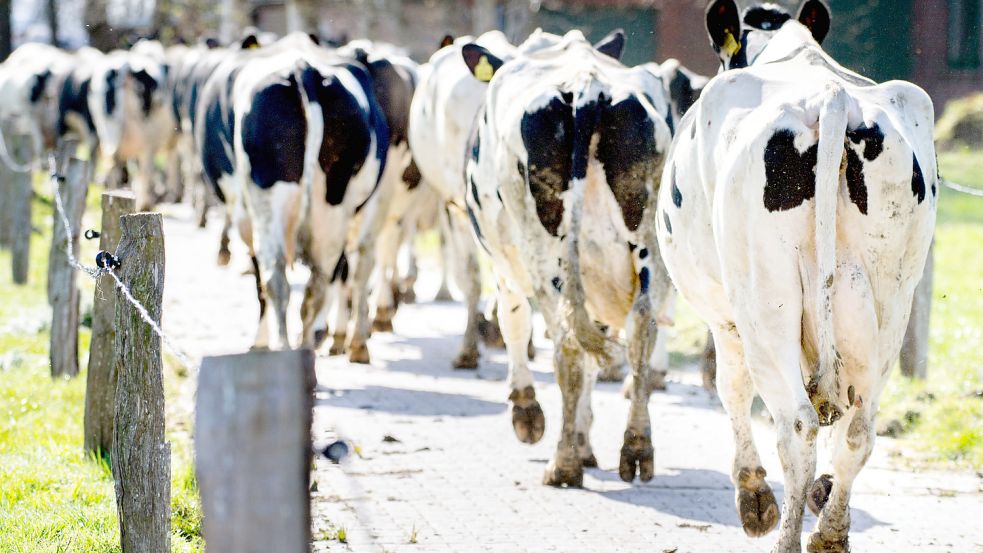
308 80
590 337
824 386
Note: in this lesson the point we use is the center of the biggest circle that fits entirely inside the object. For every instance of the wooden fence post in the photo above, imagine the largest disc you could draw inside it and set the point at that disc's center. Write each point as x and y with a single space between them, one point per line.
253 450
19 195
63 294
100 385
914 349
141 460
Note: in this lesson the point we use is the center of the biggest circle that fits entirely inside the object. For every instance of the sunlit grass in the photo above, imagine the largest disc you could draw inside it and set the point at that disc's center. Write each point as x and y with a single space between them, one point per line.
54 497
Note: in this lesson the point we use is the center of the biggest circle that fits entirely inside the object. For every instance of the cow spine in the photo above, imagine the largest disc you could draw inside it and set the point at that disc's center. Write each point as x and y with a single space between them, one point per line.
829 169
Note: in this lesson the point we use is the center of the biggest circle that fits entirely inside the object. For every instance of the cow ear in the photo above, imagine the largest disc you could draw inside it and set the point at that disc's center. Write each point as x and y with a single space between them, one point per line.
613 44
724 25
249 42
482 63
446 41
815 15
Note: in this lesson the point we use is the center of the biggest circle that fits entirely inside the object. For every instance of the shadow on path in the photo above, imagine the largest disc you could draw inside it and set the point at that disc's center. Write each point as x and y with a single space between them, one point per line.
401 401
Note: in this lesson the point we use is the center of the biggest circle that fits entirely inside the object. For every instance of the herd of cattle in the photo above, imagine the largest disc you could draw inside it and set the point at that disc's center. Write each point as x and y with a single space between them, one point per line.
791 201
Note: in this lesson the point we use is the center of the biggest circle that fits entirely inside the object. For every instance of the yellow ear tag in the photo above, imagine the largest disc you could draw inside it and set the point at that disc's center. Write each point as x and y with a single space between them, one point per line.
731 46
484 70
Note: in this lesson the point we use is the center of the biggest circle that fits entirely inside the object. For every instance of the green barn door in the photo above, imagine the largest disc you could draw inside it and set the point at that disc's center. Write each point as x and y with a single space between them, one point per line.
872 37
638 23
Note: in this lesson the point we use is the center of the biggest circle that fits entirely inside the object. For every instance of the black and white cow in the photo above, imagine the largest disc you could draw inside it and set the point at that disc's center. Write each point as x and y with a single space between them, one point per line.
797 214
309 147
74 117
29 81
131 117
562 171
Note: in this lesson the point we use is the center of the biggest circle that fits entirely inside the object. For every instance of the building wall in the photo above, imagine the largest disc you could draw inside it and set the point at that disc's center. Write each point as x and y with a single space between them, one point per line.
931 65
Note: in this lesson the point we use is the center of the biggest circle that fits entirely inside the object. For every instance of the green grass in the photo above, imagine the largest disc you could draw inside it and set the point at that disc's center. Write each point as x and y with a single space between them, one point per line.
53 497
942 417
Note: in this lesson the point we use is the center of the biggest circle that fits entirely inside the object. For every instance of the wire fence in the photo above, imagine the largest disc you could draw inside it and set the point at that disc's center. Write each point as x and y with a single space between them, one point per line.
106 268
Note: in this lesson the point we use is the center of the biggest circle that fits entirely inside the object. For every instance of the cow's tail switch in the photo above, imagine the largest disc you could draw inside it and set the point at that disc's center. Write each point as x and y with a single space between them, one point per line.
824 385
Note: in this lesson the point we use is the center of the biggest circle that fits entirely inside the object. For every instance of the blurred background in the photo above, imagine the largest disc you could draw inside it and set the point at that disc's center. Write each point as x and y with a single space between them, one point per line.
934 43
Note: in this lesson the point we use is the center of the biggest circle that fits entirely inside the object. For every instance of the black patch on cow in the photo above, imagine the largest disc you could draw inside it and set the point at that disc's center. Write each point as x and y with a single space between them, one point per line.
643 253
274 131
259 286
677 195
40 81
110 99
665 219
739 59
557 284
766 19
477 228
74 98
672 127
855 180
340 272
643 279
682 93
347 130
214 155
146 85
917 179
627 149
548 134
790 175
393 94
474 191
412 176
872 137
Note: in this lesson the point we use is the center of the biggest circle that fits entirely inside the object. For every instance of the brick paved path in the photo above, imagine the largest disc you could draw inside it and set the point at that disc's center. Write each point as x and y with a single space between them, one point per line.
452 477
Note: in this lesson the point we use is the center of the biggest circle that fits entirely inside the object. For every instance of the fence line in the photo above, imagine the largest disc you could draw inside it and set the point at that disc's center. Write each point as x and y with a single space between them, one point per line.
107 269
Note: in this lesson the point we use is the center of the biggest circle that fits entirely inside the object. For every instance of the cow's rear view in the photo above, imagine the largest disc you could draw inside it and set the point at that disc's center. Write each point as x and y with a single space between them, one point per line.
797 223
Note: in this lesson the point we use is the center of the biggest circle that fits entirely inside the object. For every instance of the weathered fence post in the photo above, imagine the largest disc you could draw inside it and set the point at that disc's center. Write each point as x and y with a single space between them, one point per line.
141 460
63 294
100 385
253 450
914 349
18 210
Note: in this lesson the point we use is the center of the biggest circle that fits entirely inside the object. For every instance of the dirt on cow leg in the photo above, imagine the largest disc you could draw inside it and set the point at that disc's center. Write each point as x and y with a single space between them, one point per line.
490 330
566 469
527 416
756 503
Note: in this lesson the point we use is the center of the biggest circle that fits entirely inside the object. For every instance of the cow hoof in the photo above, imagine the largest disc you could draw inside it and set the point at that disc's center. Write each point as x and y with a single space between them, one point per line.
490 333
570 476
380 325
819 544
359 353
466 360
224 256
819 493
589 462
337 345
637 457
756 503
527 416
407 297
657 380
614 373
444 294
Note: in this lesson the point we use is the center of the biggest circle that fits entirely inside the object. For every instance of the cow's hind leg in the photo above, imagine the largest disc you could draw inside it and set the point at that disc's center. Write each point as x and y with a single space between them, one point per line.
585 416
852 440
637 453
756 503
527 416
566 468
313 305
468 277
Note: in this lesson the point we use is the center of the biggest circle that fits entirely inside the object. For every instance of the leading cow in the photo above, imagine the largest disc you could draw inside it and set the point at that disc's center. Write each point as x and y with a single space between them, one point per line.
796 218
